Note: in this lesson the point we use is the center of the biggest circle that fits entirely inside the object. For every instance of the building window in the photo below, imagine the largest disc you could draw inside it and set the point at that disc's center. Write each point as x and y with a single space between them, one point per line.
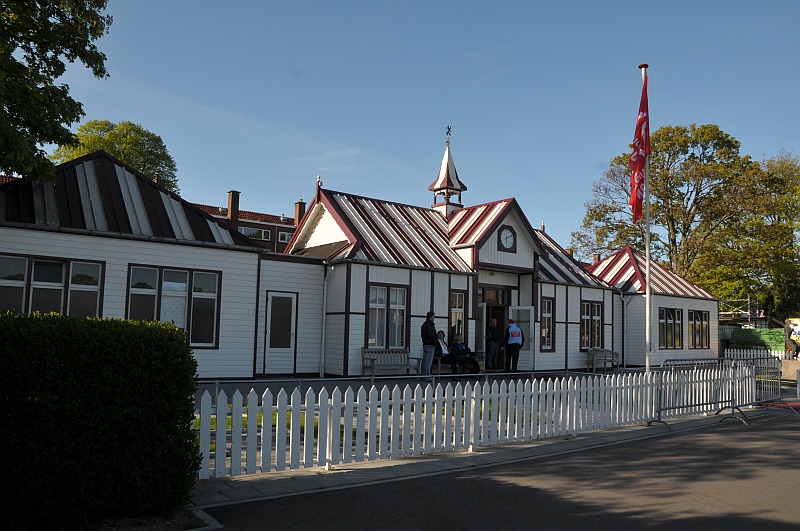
670 328
256 234
284 237
547 324
698 329
84 290
204 308
62 286
387 317
591 325
188 299
497 296
13 276
457 299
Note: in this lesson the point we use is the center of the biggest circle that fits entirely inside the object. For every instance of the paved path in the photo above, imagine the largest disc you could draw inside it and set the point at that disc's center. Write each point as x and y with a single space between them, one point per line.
701 475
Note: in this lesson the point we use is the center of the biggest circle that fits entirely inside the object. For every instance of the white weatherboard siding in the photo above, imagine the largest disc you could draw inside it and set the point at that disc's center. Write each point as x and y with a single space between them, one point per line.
326 231
358 289
420 299
358 327
234 357
524 255
305 281
334 341
336 289
389 275
635 327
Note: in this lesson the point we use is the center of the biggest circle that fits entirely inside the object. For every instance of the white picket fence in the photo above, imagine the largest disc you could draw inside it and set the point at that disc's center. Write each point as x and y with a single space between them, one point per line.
319 430
738 353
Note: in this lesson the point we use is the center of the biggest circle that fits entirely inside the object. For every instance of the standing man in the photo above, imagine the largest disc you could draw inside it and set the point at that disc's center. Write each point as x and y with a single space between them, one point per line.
514 341
428 332
492 344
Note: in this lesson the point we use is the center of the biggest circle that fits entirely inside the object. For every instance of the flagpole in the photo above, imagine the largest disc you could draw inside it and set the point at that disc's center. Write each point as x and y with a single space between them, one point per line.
648 310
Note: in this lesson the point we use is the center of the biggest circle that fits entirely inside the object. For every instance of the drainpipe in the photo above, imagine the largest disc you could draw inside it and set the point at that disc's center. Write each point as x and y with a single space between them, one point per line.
324 311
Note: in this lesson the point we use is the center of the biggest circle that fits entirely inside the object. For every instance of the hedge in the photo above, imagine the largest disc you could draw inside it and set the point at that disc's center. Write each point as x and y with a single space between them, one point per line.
97 417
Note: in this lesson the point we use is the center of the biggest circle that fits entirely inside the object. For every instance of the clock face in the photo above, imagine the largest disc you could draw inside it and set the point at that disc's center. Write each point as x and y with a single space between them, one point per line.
507 238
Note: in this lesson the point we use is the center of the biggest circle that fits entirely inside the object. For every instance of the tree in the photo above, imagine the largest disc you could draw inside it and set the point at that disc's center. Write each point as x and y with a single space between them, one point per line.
36 38
130 143
694 174
719 219
757 253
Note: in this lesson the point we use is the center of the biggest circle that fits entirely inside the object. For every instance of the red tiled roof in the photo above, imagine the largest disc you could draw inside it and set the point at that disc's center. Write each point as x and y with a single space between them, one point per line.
246 215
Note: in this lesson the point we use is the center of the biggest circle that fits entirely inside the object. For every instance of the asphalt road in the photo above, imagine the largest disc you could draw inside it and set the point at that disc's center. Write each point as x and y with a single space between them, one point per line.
726 476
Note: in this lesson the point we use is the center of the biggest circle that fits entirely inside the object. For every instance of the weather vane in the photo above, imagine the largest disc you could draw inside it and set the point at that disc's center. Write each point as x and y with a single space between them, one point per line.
448 131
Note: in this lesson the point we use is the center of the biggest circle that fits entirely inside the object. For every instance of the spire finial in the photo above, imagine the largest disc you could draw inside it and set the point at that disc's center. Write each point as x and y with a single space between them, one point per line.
447 133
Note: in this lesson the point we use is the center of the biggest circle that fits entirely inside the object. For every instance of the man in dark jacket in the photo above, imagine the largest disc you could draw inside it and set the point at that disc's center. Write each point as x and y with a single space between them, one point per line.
428 332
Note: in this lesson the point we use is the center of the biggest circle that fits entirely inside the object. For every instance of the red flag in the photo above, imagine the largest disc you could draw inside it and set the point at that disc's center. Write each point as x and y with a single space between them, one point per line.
641 149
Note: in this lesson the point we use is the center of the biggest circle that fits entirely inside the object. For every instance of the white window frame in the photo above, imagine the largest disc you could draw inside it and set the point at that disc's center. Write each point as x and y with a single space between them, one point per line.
84 288
457 313
670 318
548 310
385 313
165 297
699 319
19 284
591 329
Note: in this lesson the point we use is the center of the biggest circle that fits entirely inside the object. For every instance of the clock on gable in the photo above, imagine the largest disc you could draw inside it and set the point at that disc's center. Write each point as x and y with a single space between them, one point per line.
506 239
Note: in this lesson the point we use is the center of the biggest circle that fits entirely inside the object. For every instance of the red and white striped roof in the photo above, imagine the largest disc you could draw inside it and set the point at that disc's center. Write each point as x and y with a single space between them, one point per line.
557 265
448 176
467 226
382 231
625 270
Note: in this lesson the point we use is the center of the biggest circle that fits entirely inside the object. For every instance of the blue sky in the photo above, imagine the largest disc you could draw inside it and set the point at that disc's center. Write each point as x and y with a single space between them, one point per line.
262 96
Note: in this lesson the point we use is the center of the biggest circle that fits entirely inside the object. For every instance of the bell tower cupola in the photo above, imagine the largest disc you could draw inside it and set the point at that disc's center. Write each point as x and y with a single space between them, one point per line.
447 187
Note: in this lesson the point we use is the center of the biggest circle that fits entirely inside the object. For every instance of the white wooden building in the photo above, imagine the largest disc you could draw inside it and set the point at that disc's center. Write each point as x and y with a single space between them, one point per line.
684 318
103 240
390 263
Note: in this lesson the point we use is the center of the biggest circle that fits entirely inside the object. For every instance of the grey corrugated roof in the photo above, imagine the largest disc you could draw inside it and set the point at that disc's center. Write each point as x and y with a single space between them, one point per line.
100 194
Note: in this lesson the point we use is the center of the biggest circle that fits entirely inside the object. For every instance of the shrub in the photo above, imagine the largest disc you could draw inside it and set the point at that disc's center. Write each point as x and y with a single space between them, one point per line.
97 417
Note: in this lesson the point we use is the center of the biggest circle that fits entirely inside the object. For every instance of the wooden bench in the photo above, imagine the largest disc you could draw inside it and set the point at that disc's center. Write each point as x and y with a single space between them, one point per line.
604 355
373 359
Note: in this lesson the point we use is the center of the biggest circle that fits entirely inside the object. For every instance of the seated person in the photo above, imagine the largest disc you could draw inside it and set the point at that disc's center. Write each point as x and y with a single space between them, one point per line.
459 348
440 350
462 355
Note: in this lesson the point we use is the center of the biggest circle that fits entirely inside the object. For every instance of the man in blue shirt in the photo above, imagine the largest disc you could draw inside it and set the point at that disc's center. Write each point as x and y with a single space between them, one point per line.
514 341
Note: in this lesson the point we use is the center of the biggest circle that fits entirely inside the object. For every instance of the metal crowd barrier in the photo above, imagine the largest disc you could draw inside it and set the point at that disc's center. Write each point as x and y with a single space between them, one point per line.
692 386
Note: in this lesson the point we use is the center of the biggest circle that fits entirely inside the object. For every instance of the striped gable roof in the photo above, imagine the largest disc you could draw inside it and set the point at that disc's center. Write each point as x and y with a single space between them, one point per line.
557 265
381 231
625 270
98 193
468 226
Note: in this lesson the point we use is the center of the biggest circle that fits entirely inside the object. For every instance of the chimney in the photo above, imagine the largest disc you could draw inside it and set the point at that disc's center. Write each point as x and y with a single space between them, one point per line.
569 250
596 258
299 211
542 225
233 209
